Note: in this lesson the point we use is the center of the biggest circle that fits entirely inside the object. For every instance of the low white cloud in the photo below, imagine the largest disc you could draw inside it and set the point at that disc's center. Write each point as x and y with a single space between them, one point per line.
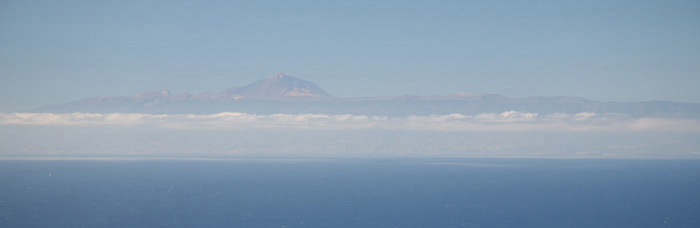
505 121
507 117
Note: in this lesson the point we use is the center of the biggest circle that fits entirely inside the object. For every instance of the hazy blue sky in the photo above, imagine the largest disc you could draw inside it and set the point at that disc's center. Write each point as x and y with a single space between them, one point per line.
631 50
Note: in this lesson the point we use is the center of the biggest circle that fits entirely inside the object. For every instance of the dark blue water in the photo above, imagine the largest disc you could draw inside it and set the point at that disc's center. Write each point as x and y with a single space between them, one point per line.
351 193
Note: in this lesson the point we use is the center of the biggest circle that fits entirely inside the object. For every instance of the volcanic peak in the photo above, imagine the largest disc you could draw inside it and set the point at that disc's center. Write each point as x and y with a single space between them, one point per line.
280 85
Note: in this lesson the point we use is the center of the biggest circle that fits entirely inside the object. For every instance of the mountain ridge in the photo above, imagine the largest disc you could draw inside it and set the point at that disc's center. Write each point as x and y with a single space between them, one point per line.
282 93
278 86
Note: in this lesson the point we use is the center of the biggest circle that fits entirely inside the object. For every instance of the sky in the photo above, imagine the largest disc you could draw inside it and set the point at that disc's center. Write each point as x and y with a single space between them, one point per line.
615 50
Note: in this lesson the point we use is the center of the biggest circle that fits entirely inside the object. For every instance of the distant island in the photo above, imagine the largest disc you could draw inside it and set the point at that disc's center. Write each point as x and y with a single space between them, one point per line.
282 93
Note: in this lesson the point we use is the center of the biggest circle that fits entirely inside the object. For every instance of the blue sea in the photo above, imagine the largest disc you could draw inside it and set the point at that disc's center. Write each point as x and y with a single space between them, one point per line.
350 192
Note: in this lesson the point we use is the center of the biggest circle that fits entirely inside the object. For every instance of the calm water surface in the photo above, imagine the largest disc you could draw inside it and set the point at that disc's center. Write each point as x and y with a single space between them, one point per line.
445 192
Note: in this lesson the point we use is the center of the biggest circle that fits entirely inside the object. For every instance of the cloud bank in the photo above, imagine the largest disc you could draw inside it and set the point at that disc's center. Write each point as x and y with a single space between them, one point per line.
505 121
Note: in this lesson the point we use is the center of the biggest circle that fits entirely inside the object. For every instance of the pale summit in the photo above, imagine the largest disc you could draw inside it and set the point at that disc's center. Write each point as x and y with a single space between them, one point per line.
278 86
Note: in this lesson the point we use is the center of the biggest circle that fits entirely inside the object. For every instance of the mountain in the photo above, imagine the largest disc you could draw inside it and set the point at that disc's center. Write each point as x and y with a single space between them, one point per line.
285 94
279 86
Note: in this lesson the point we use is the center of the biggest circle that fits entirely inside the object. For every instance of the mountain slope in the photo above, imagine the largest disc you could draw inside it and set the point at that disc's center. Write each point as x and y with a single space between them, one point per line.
279 86
285 94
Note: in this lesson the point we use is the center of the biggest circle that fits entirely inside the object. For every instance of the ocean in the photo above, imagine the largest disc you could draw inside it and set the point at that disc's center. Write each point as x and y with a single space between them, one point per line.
350 192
